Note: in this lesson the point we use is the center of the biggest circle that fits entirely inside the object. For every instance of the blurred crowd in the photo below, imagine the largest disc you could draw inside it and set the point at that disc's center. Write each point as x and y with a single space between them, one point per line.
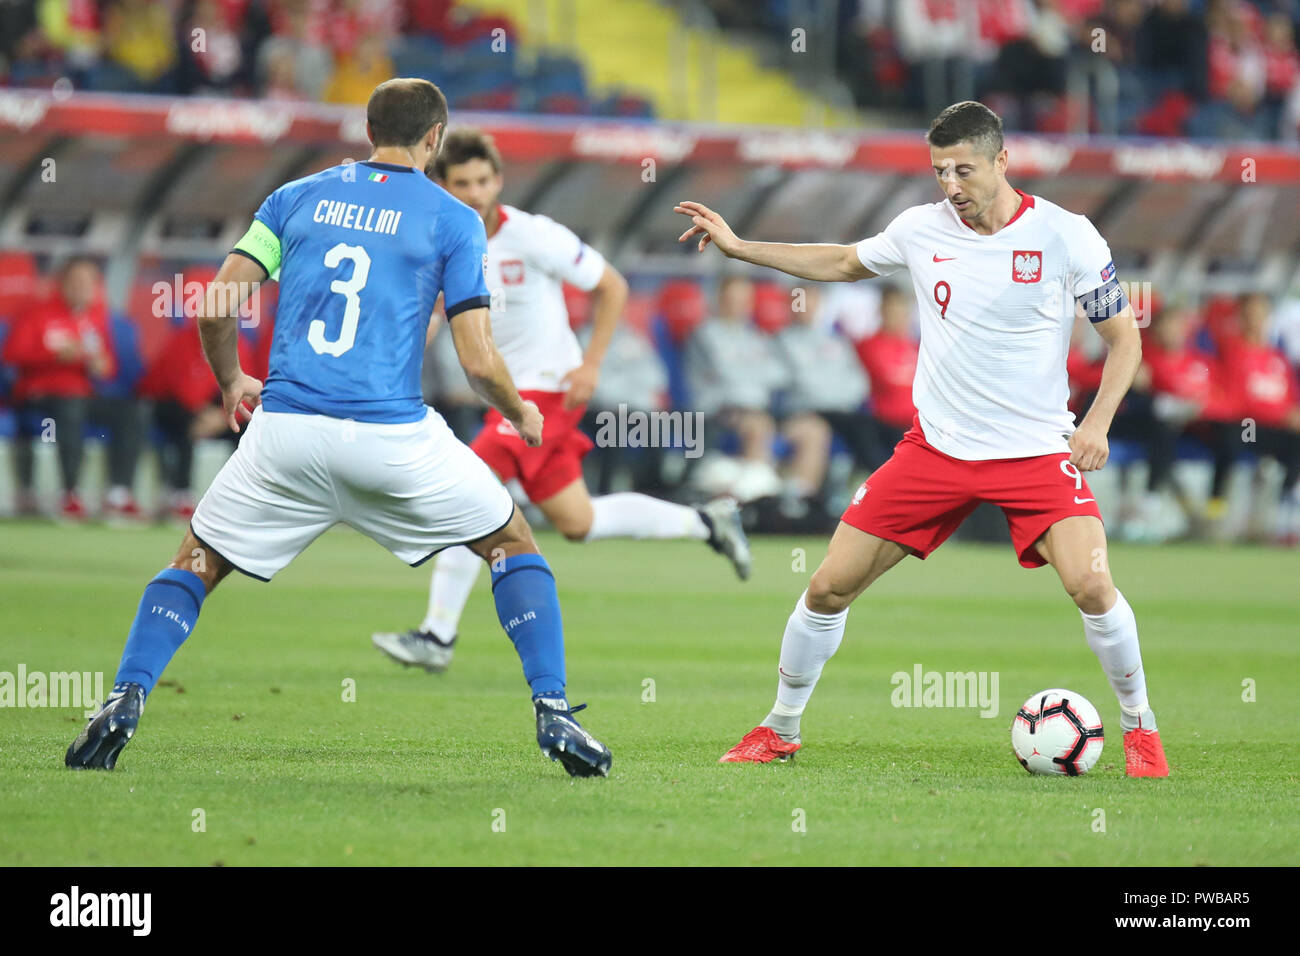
1218 382
71 370
803 390
333 51
1208 68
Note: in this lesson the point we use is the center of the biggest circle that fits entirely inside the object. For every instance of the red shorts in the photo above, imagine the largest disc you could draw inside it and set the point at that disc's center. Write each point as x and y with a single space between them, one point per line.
920 496
550 467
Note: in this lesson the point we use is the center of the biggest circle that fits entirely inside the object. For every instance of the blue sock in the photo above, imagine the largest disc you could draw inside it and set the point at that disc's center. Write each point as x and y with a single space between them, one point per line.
529 610
168 611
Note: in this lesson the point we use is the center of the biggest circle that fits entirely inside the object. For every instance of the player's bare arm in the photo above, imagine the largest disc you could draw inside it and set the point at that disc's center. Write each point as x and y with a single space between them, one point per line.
1089 448
219 331
818 261
486 371
608 299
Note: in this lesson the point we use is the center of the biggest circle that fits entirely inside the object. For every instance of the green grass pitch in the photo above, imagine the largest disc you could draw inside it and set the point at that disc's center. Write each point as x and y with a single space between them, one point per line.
251 737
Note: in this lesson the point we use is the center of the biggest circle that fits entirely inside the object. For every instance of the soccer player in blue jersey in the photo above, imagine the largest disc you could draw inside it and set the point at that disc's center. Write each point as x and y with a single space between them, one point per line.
340 433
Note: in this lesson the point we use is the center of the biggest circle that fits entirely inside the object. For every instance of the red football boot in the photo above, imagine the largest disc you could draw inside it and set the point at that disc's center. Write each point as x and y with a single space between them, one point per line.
1144 755
760 745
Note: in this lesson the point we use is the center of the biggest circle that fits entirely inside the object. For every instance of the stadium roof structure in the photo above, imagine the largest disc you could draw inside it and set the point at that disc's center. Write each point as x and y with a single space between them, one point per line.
137 178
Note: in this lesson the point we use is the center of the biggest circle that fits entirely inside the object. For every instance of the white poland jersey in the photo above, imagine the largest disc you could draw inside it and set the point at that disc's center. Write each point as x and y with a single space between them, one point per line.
996 316
529 259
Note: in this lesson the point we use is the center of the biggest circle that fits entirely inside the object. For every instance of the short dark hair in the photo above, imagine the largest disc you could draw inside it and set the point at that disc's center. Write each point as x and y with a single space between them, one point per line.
463 145
967 122
403 110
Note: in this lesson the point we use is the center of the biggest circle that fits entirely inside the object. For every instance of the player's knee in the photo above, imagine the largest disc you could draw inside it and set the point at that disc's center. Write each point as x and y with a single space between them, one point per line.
1092 591
573 519
515 538
824 597
200 560
574 528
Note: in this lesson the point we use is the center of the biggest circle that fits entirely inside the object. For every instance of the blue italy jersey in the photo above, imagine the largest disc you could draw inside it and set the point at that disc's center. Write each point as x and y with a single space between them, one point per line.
362 252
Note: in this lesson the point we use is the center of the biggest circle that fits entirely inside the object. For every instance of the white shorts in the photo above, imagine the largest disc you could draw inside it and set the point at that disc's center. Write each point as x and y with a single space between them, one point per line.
414 488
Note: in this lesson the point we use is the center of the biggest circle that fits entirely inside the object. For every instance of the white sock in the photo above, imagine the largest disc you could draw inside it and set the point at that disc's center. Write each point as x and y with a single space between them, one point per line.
454 573
631 515
811 639
1113 637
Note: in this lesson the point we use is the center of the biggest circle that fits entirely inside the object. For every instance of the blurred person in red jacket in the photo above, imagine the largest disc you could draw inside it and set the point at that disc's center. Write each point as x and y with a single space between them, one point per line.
890 356
1258 408
187 408
1134 422
1178 378
56 349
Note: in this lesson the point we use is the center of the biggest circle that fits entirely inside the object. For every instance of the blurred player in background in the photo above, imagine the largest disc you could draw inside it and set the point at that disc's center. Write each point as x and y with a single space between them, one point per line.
529 259
997 273
186 407
342 434
1260 404
59 349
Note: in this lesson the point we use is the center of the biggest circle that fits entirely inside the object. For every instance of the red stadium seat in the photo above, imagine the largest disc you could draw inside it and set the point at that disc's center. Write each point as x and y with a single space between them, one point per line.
639 312
567 104
683 306
140 310
772 305
578 304
1221 318
20 282
143 302
1168 117
428 16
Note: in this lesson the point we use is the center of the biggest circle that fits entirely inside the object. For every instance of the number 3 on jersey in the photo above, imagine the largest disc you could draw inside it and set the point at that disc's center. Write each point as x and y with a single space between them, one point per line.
350 290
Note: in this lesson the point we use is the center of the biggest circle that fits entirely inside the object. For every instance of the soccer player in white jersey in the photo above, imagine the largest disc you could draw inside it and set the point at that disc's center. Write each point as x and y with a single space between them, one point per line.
997 274
529 259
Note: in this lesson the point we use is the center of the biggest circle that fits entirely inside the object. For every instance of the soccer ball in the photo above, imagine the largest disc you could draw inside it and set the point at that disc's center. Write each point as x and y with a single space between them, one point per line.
1057 731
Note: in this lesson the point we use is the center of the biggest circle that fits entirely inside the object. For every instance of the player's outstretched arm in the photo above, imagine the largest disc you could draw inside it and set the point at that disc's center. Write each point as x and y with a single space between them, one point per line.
219 330
1089 446
485 369
819 261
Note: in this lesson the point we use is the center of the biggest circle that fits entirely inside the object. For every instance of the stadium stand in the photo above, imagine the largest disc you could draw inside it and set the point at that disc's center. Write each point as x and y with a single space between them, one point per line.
1200 68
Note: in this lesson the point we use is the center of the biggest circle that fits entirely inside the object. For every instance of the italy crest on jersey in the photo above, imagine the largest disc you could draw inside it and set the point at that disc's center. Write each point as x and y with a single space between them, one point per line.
1026 266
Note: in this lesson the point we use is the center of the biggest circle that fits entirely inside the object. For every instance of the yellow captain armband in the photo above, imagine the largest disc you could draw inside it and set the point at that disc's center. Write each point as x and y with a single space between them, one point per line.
262 246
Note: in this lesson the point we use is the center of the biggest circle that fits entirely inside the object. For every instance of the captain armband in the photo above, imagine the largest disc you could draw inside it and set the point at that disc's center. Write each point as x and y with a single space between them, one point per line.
1104 302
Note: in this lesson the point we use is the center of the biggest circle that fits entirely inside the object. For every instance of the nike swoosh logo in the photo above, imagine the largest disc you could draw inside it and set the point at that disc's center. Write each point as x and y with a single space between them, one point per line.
944 259
1131 673
1082 501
